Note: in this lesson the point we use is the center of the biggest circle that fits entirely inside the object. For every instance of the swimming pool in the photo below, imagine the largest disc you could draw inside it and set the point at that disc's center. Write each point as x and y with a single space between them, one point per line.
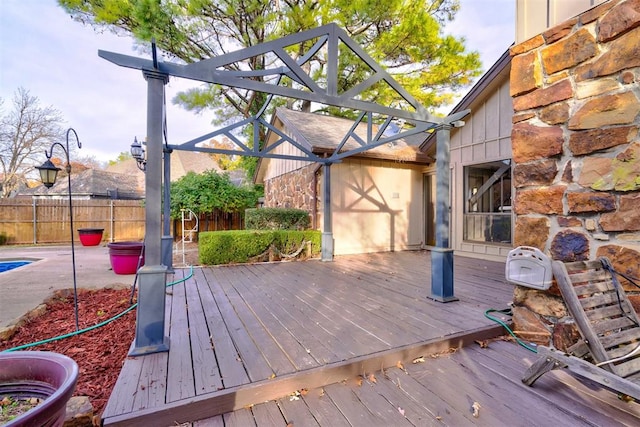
10 265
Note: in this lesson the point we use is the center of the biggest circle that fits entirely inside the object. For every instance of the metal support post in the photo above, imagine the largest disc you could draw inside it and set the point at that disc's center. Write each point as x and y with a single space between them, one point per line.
442 255
167 238
327 233
150 336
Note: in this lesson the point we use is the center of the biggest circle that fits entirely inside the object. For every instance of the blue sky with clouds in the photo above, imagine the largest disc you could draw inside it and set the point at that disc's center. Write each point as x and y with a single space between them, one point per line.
43 50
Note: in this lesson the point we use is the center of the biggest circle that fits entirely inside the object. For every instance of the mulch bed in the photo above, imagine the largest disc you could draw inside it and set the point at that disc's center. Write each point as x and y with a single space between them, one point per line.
100 352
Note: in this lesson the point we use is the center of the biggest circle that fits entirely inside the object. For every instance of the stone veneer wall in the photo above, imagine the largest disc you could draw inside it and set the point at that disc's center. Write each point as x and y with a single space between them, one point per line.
576 152
293 190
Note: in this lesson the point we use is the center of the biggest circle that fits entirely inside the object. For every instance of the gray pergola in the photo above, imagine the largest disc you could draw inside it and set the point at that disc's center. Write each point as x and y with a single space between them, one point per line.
330 39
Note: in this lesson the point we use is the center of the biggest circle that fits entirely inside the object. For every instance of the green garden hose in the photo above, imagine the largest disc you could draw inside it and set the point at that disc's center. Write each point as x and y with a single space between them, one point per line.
508 312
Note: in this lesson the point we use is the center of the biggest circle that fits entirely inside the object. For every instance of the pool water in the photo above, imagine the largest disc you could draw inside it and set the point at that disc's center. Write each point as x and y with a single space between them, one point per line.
10 265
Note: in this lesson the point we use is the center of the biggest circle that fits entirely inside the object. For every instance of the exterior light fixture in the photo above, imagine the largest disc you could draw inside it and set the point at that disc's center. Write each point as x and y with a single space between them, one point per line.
137 152
48 175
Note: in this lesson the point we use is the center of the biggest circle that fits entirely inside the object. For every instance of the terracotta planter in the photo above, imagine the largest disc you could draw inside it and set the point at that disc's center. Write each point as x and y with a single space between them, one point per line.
90 236
126 257
40 374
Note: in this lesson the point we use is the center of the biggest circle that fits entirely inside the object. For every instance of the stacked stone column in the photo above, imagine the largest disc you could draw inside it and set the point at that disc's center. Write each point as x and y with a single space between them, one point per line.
576 153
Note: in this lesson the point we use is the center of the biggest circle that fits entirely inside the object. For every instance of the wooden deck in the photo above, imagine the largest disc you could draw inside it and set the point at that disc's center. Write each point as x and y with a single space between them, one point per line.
247 334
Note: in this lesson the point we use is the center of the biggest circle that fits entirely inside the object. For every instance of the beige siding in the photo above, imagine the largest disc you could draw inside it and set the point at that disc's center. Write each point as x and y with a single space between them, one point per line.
535 16
485 137
377 206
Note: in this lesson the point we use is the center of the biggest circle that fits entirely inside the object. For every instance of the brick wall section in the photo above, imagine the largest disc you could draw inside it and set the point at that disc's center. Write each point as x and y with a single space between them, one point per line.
292 190
576 149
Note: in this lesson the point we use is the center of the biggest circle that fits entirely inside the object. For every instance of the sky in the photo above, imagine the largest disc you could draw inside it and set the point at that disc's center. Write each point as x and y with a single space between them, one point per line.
56 59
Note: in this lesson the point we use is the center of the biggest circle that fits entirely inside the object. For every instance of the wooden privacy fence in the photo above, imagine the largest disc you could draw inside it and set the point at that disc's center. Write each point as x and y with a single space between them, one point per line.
31 221
34 221
213 221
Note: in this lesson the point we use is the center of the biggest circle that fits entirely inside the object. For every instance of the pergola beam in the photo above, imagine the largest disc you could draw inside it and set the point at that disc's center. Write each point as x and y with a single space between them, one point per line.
150 321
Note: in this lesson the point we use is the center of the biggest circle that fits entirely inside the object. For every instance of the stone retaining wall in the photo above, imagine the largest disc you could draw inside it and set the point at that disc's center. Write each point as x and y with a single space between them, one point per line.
293 190
576 152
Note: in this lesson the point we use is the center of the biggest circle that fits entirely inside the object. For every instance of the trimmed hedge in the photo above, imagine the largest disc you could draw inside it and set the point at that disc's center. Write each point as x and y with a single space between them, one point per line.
240 246
276 219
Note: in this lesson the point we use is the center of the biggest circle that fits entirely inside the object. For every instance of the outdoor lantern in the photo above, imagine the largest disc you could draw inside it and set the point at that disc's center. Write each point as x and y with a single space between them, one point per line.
48 173
137 152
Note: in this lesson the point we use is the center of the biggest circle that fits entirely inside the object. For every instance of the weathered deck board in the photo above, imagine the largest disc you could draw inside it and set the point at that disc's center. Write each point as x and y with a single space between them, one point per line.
234 325
442 391
254 363
180 378
560 390
206 372
232 370
283 351
320 344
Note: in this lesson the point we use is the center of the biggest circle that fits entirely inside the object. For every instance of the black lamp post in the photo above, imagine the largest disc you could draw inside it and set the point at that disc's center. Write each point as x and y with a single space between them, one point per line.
137 152
48 175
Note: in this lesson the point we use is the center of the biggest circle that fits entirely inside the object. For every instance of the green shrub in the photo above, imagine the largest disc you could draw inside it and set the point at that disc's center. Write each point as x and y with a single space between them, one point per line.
276 219
3 239
239 246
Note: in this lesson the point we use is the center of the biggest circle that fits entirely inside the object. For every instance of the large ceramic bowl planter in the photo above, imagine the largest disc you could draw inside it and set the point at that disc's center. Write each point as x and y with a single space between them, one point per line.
40 374
126 257
90 236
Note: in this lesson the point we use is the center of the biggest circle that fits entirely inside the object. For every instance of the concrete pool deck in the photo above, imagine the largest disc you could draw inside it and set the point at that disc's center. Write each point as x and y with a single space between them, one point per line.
24 288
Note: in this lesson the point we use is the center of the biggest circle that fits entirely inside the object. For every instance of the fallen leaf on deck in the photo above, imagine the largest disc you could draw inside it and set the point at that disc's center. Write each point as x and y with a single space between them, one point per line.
294 396
372 378
625 398
476 409
418 360
483 344
303 392
399 365
401 411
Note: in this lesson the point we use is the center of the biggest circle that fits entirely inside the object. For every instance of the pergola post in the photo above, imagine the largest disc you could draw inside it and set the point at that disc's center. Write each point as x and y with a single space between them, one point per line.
152 276
167 238
442 254
327 231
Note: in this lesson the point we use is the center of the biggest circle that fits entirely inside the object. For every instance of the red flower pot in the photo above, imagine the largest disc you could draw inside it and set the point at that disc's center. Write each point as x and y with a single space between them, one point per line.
90 236
40 374
126 257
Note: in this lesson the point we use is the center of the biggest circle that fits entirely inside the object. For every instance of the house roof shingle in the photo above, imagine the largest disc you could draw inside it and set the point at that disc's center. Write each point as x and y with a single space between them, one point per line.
94 183
323 133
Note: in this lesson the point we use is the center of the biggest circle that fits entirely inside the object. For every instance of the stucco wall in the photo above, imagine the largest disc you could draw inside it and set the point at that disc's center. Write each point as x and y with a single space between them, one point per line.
377 206
576 150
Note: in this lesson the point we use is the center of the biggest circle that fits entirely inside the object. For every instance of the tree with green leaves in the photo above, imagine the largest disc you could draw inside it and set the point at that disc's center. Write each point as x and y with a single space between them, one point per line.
405 36
208 191
123 156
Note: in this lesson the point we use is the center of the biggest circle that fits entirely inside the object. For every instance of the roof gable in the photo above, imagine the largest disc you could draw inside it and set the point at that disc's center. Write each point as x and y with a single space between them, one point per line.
478 93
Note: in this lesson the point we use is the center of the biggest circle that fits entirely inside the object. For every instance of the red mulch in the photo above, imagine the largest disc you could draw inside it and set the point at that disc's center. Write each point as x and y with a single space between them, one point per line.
99 353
